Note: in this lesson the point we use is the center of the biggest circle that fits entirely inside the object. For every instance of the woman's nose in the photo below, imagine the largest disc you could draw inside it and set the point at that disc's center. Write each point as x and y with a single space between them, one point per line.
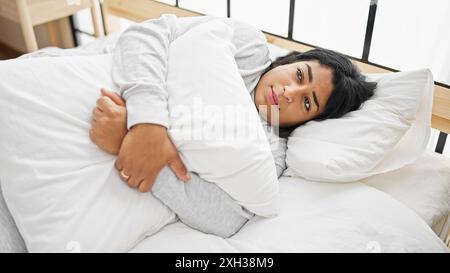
290 93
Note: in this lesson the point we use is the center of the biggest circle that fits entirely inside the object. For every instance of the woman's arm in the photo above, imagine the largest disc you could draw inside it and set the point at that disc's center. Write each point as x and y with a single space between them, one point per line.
200 204
140 66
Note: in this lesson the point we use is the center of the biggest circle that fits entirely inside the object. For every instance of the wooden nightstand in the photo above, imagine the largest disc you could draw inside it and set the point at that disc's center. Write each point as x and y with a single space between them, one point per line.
29 13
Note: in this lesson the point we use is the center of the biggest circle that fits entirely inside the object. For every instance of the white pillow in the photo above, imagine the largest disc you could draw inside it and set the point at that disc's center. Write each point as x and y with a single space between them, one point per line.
390 130
62 190
65 193
214 122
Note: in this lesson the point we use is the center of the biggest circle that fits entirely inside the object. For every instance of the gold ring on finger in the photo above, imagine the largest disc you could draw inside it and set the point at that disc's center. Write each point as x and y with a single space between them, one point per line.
122 173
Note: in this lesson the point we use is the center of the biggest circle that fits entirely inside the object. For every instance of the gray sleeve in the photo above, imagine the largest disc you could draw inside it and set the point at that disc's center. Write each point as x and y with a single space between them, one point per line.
200 204
278 146
140 66
252 53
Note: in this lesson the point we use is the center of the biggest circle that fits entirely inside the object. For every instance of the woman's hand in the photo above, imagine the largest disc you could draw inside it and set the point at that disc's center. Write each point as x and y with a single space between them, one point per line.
145 150
109 122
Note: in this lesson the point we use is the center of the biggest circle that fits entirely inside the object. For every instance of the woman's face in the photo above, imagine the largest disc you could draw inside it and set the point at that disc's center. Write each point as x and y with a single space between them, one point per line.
294 93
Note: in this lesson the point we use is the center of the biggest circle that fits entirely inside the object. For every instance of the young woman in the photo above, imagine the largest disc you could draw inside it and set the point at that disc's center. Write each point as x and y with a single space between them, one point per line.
314 85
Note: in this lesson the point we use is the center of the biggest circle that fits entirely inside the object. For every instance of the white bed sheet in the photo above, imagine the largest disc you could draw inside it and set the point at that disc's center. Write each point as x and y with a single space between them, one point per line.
423 186
314 217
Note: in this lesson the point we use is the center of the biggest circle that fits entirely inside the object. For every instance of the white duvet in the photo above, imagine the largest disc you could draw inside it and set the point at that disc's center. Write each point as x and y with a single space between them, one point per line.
314 217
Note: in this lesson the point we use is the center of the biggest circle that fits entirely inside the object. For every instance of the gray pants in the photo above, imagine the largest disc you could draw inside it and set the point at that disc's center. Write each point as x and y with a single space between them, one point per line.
200 204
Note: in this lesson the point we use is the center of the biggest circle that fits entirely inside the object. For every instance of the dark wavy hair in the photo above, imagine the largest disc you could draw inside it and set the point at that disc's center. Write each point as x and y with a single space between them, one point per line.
350 88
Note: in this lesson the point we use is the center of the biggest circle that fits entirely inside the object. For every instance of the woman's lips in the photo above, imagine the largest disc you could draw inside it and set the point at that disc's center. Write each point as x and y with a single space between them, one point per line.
273 98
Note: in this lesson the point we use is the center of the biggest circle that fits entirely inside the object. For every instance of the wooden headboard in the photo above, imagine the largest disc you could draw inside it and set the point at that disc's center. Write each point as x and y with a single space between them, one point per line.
141 10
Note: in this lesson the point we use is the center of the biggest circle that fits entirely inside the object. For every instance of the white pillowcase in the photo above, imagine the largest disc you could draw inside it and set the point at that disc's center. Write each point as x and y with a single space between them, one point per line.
62 190
214 122
390 130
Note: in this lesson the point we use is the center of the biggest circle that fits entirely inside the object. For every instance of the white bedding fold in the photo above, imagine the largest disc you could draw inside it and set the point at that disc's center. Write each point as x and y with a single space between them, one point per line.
314 217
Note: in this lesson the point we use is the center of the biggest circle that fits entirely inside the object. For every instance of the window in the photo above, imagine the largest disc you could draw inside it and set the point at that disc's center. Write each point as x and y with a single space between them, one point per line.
82 21
337 25
268 15
413 34
84 28
210 7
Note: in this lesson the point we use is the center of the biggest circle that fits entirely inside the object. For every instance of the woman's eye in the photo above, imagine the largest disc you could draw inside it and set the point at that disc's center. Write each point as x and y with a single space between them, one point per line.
307 104
299 74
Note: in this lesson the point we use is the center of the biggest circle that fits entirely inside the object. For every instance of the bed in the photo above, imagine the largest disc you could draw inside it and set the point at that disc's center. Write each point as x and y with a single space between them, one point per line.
411 215
436 215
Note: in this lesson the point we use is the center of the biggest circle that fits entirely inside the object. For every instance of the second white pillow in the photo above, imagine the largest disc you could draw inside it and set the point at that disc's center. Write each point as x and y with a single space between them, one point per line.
390 130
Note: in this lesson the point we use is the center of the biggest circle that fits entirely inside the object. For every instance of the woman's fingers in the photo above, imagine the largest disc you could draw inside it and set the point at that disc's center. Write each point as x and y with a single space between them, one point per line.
118 164
113 96
134 182
179 169
105 104
147 184
96 113
92 135
122 173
